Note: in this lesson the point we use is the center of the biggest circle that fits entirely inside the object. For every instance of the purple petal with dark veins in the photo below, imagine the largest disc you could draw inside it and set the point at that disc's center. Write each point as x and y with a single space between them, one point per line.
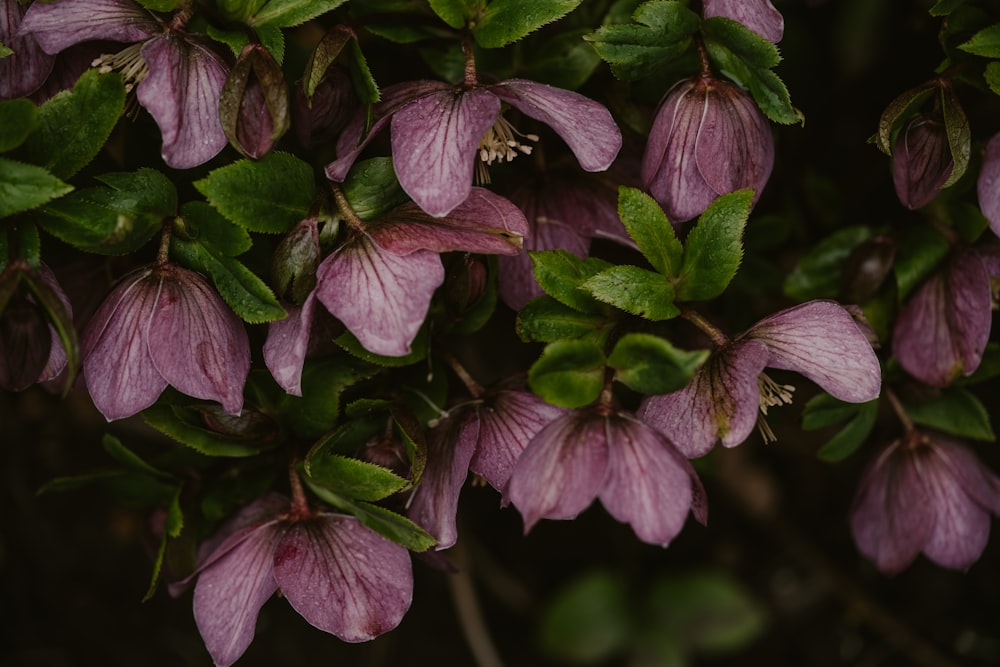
434 142
988 184
757 15
182 94
921 162
59 25
962 526
585 125
382 298
981 483
24 71
287 343
197 344
117 368
344 578
720 401
561 470
516 280
820 340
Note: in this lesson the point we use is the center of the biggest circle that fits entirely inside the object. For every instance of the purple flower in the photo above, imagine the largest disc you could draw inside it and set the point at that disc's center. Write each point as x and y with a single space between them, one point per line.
757 15
339 575
988 184
163 325
441 134
925 493
25 70
818 339
634 469
485 436
708 139
178 78
943 329
921 161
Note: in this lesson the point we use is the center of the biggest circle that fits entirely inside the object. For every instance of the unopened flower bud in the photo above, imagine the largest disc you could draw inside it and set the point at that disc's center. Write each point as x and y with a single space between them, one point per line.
388 453
254 103
295 262
321 118
921 161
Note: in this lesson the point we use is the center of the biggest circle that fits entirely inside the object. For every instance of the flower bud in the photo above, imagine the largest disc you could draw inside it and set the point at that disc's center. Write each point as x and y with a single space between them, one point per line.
295 261
921 161
254 103
320 119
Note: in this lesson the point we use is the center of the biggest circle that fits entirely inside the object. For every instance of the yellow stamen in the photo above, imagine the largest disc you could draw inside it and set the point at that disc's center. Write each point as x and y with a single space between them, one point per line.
771 394
500 143
128 61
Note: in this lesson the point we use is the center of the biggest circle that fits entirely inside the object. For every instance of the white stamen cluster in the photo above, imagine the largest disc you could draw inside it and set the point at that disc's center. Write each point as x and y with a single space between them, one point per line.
771 394
128 61
500 143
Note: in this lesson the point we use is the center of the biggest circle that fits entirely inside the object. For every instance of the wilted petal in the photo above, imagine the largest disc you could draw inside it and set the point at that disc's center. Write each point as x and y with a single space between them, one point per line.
921 161
820 340
118 370
344 578
757 15
649 483
434 142
287 343
988 184
59 25
720 401
182 94
23 71
381 297
561 470
197 344
485 223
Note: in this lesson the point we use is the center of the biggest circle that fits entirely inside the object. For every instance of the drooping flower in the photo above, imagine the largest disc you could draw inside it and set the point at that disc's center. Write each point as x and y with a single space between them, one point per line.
818 339
988 184
636 471
26 68
339 575
925 493
486 436
178 78
942 331
708 139
163 325
921 161
439 132
757 15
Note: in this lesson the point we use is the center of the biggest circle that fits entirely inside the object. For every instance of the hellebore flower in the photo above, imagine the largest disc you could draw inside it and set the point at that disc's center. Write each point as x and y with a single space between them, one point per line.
818 339
757 15
988 184
943 330
708 139
485 436
25 70
635 470
254 107
441 134
924 493
921 161
337 574
178 78
163 325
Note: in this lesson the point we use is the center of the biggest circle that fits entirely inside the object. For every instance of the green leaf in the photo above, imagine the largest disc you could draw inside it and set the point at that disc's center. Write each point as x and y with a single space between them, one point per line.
289 13
714 247
919 252
748 46
172 528
418 350
634 290
266 195
455 12
945 7
25 186
898 113
186 426
129 459
992 76
564 61
824 410
353 478
323 381
652 365
959 136
852 436
73 125
506 21
589 620
817 275
561 274
984 43
201 223
18 118
955 411
324 55
5 50
361 76
545 320
649 227
570 373
371 188
662 32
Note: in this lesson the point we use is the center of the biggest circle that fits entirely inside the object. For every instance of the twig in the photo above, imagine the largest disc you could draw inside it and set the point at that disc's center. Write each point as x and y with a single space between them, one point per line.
470 616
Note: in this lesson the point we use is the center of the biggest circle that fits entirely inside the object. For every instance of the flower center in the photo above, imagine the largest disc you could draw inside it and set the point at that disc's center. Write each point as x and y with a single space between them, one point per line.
128 61
500 143
771 394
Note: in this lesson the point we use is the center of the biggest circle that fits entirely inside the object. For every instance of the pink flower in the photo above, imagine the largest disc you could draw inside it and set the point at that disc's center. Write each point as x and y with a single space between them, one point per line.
757 15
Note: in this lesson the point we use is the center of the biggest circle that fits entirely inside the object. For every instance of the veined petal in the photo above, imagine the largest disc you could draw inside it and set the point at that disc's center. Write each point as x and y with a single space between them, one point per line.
344 578
182 94
561 470
434 142
585 125
988 184
119 373
287 343
820 340
381 297
649 483
757 15
197 344
230 592
59 25
921 161
23 71
979 482
485 223
720 401
962 526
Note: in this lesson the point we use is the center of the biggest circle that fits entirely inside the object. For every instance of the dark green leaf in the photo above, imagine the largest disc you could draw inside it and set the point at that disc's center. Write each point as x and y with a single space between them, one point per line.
25 186
18 119
959 136
992 76
649 227
955 411
352 478
129 459
945 7
172 529
589 620
767 89
748 46
984 43
323 380
506 21
561 274
824 410
714 247
852 436
364 82
817 275
186 426
920 251
371 188
203 224
652 365
324 55
545 320
565 61
635 291
418 350
456 12
289 13
570 373
989 367
898 113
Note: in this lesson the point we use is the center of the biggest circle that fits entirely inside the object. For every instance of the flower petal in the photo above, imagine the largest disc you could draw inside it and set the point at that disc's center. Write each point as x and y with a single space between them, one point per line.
434 142
720 401
585 125
197 344
23 71
962 526
381 297
59 25
757 15
979 482
820 340
921 161
344 578
988 184
287 343
182 94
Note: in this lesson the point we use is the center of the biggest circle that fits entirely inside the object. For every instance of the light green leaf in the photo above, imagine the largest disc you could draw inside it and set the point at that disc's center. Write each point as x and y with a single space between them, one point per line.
456 12
714 248
506 21
186 427
570 373
652 365
561 274
289 13
649 227
25 186
984 43
634 290
546 320
353 478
